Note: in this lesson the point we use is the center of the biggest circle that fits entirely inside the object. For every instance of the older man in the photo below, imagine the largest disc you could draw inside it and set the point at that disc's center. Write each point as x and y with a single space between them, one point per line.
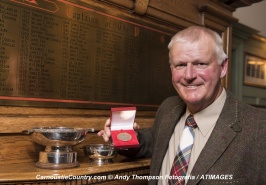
204 135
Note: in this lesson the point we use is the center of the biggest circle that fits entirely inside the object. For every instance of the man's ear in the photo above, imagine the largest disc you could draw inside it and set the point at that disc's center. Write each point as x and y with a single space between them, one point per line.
224 67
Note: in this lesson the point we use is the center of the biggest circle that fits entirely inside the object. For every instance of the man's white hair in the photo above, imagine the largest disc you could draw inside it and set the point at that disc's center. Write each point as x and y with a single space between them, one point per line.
194 34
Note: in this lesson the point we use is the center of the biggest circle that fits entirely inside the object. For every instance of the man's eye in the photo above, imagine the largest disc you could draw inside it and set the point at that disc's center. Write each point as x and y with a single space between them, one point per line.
201 65
178 66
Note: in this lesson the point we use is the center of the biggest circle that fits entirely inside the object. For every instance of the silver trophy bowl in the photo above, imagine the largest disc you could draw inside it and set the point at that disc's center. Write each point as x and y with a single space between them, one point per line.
58 152
58 136
100 153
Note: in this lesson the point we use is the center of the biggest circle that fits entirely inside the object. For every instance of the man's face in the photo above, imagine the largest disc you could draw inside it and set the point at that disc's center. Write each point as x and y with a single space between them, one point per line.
196 74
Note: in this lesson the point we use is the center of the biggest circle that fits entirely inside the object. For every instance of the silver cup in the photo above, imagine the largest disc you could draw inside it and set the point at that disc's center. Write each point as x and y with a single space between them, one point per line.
100 153
58 153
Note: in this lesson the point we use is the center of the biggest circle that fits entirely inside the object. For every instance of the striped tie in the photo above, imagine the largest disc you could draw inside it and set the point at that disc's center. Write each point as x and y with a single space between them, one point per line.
180 164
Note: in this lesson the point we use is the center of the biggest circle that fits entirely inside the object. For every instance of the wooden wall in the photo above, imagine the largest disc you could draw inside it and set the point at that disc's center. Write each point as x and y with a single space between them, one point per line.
18 147
169 15
246 41
172 15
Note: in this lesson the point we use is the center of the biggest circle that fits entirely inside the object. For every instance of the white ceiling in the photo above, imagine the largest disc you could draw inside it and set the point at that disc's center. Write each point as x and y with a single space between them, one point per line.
253 16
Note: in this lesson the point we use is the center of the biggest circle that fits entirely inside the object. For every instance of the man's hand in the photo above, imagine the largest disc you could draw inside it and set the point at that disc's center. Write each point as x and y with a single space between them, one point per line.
106 132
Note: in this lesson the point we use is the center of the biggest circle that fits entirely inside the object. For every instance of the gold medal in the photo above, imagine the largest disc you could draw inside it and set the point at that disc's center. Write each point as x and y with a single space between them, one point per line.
124 136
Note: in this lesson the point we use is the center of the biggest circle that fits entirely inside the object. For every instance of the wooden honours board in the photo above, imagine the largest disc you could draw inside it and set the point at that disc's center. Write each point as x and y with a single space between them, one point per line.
70 54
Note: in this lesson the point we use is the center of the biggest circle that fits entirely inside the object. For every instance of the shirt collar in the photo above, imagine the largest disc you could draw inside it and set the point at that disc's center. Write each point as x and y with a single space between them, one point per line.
207 118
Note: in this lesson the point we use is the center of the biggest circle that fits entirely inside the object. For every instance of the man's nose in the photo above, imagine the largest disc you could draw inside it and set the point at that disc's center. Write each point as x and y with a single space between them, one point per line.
190 72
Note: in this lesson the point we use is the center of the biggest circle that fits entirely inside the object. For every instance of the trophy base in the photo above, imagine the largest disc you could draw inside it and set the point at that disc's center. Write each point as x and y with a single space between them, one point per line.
57 160
100 162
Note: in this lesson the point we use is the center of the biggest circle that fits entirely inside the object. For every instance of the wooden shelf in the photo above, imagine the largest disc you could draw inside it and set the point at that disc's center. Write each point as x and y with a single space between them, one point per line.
28 172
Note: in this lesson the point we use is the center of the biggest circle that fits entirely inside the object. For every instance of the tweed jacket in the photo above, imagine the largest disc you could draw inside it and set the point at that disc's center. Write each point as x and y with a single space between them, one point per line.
234 153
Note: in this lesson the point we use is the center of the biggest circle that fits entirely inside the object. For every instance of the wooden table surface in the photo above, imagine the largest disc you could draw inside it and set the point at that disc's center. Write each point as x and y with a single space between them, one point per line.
29 171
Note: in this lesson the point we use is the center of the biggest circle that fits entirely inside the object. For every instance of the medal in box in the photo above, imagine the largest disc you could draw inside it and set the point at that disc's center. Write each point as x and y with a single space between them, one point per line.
122 132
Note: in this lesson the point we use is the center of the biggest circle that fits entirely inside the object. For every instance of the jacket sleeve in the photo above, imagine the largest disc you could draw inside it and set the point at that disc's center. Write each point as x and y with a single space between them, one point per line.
145 146
147 137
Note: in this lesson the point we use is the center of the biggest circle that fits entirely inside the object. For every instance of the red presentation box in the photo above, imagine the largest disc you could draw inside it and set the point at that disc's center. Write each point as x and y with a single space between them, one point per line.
122 132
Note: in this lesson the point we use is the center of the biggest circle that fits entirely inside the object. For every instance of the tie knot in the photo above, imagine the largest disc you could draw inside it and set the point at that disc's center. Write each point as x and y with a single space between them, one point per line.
191 122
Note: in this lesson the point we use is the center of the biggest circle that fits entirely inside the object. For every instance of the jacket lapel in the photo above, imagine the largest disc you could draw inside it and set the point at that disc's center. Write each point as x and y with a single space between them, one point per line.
219 140
164 134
